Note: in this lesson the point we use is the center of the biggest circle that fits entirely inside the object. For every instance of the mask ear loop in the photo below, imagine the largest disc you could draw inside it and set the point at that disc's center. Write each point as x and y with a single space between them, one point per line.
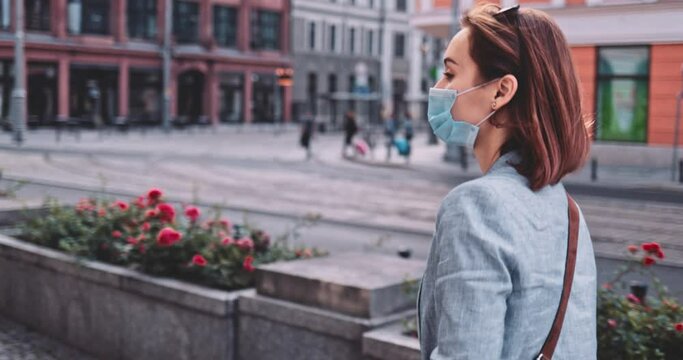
487 117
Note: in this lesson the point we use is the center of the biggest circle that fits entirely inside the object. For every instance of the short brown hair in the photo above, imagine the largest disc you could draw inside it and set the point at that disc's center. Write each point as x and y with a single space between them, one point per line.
547 126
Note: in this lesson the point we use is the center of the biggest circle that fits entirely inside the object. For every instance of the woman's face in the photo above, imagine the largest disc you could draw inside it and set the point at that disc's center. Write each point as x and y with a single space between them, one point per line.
461 73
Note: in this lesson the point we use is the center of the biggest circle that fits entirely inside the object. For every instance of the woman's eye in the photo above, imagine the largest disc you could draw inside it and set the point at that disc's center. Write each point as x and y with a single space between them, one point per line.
448 76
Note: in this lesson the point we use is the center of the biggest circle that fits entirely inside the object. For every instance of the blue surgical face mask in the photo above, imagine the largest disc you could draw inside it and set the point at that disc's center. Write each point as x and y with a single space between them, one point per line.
458 132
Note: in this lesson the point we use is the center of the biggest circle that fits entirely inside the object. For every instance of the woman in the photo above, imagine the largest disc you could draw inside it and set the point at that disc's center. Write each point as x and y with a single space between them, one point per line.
495 271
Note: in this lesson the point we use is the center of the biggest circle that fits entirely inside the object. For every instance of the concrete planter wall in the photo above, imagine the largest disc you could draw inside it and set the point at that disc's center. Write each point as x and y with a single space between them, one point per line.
389 343
112 312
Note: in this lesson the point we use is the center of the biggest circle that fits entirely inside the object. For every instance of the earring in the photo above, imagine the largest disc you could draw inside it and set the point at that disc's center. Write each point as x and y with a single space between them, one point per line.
493 105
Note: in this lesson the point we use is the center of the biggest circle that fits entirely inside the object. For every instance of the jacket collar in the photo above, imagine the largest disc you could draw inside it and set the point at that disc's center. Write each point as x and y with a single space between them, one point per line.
505 160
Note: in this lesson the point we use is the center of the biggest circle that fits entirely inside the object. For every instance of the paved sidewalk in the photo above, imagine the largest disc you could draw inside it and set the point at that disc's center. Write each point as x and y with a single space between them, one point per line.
19 343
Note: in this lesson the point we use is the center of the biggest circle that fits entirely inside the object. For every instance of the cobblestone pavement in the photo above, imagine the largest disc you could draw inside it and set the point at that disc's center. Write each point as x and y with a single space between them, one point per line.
19 343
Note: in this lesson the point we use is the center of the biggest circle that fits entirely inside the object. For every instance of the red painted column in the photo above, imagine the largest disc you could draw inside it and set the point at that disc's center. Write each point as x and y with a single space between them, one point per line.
58 18
243 34
206 23
120 19
63 88
248 88
211 92
174 90
124 88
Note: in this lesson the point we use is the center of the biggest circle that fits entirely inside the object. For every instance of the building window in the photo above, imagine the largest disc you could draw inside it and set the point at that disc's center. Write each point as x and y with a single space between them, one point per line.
333 38
370 42
312 92
142 19
225 25
352 40
37 15
399 45
265 30
622 96
332 83
401 5
311 36
186 21
371 4
4 14
88 16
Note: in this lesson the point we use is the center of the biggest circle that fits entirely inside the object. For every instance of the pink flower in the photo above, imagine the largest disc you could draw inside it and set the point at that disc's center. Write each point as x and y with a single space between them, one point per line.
154 194
140 202
679 326
192 213
199 260
225 223
122 205
101 212
648 260
632 298
607 286
131 240
248 261
116 234
166 212
227 241
146 226
612 323
632 249
150 213
168 236
660 254
245 244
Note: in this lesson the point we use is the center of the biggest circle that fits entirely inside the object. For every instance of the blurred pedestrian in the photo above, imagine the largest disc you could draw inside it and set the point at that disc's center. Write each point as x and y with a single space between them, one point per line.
350 130
307 128
390 129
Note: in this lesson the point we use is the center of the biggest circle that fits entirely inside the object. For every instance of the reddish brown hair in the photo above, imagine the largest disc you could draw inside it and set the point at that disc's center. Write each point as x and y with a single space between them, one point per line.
545 117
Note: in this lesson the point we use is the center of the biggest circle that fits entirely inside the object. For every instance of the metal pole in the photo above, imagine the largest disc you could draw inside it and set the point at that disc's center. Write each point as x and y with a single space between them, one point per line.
167 65
677 128
18 104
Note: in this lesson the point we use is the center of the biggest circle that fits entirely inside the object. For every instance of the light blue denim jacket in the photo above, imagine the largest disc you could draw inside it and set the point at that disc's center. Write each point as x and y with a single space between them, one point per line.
495 270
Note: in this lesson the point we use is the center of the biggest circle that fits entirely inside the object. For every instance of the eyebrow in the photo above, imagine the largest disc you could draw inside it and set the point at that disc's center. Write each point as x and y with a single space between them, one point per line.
447 60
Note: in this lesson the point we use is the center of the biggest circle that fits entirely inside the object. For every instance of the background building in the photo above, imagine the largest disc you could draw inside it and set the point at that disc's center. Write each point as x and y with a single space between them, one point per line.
356 54
100 60
628 53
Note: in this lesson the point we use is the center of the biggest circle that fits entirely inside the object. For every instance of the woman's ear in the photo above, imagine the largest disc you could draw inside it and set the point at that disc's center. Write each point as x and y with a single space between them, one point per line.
507 87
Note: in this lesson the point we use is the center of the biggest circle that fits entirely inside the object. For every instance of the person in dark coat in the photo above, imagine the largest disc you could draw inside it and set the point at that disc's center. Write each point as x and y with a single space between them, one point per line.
350 130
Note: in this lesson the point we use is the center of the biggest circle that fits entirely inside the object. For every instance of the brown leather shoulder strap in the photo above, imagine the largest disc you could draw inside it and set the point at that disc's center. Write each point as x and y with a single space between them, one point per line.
551 340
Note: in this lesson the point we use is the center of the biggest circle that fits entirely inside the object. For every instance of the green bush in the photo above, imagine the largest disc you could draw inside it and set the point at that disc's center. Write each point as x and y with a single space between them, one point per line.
148 235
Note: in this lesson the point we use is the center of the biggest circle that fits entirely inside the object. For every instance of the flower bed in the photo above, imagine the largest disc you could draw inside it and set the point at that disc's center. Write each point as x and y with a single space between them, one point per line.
636 326
149 235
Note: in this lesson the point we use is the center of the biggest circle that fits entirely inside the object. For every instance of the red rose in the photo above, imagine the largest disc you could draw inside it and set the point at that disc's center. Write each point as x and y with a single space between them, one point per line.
140 202
227 241
168 236
154 194
131 240
225 223
199 260
101 212
245 244
150 213
166 212
248 263
679 326
612 323
648 260
192 213
652 247
632 249
632 298
116 234
122 205
660 254
146 226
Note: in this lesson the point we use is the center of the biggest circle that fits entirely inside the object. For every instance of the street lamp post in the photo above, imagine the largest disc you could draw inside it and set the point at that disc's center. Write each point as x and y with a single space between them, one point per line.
18 104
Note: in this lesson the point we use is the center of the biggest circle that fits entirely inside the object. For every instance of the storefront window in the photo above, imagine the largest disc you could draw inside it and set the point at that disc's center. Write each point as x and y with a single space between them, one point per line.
265 30
225 25
142 19
186 21
37 15
622 96
4 14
